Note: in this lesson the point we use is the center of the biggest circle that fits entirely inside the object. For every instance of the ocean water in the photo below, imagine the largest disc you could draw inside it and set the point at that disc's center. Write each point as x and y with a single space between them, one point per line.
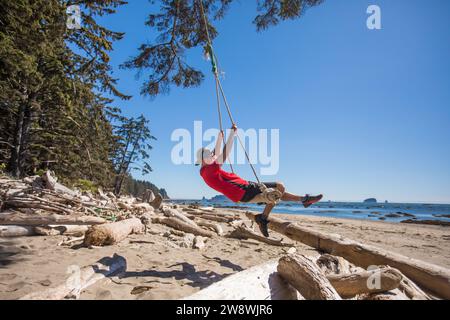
392 212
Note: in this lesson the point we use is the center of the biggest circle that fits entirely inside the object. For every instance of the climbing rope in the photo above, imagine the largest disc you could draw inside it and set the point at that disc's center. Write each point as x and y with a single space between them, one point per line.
220 91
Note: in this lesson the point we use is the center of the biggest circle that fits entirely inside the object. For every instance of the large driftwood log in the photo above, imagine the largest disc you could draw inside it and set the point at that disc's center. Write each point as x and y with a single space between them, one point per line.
372 282
16 231
111 233
429 276
82 278
258 283
304 275
12 218
69 230
244 232
183 226
411 290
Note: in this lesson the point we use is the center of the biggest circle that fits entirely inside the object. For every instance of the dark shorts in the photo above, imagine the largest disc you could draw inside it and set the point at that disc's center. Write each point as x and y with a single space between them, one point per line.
252 190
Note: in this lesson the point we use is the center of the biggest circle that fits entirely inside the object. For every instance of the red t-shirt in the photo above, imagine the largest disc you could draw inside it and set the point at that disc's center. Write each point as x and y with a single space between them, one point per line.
229 184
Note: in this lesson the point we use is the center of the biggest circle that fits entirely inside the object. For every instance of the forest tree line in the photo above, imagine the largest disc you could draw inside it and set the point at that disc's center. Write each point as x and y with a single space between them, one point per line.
57 98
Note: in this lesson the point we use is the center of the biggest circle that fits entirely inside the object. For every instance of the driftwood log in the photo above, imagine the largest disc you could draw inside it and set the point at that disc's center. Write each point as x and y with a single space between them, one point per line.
52 184
244 232
16 231
411 290
304 275
183 226
111 233
173 213
429 276
258 283
69 230
213 226
372 282
82 278
13 218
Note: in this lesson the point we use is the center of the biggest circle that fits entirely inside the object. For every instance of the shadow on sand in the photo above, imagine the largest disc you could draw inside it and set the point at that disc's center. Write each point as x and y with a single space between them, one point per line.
198 279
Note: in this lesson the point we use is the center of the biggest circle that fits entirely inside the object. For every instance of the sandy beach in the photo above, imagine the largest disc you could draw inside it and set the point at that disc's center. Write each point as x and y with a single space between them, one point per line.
158 268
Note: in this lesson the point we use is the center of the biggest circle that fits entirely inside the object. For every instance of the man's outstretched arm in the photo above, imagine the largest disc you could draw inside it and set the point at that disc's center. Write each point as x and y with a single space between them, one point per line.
227 148
218 144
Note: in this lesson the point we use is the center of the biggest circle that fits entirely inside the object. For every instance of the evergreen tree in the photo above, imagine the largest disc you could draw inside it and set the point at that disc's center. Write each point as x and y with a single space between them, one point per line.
180 26
133 144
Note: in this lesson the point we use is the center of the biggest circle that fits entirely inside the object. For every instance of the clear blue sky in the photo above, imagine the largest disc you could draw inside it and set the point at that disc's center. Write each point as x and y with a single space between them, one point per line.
361 113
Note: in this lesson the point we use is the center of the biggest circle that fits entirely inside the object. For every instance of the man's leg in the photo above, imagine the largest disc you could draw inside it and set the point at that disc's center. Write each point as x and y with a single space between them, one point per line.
286 196
306 200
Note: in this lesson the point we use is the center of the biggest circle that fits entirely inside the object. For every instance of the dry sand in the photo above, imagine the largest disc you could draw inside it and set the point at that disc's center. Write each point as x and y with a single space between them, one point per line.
159 269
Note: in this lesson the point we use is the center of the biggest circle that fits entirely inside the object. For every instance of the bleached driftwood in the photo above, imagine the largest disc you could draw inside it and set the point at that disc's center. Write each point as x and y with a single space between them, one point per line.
429 276
111 233
214 226
372 282
411 290
82 278
199 243
173 213
261 282
210 217
156 203
244 232
69 230
395 294
16 231
70 240
333 265
52 184
303 274
13 218
148 196
125 206
183 226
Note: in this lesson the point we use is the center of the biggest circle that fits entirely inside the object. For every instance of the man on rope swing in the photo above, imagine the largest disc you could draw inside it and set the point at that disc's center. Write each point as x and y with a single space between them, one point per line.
239 190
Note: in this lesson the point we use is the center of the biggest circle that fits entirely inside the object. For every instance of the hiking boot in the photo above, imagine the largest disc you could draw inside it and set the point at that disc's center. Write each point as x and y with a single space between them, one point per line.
310 200
262 224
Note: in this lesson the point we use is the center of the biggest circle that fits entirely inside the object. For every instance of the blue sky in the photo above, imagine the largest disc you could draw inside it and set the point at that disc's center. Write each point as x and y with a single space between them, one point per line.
362 113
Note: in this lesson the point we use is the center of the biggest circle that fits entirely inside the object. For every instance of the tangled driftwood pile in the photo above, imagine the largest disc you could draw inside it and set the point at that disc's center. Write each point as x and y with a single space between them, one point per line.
344 270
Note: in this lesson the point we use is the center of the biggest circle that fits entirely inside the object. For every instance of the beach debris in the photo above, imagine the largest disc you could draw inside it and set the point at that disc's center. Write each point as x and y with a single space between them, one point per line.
80 279
330 264
68 230
199 242
303 274
244 232
16 231
168 212
187 241
17 218
353 284
112 233
433 278
212 226
70 240
183 226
